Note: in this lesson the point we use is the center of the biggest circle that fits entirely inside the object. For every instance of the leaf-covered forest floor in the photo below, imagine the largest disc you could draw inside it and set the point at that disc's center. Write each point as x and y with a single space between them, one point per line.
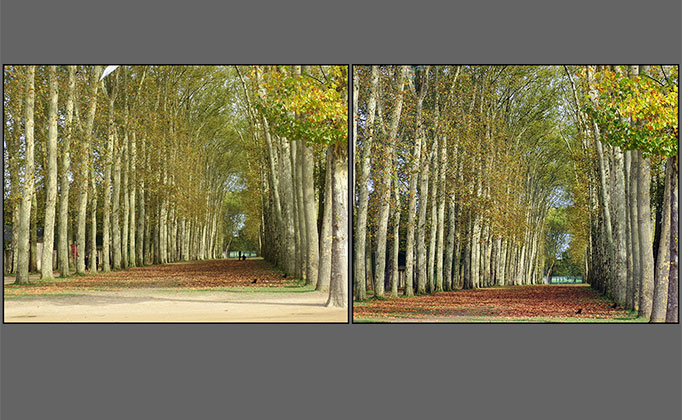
193 275
197 291
541 303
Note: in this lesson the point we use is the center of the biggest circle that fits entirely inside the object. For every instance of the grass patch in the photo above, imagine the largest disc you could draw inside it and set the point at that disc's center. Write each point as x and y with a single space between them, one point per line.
42 294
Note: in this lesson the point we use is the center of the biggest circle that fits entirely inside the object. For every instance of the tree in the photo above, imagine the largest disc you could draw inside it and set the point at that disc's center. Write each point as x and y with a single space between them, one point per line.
27 193
50 205
639 113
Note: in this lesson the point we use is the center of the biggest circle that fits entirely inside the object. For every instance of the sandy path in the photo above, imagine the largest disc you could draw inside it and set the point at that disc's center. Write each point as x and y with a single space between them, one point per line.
144 305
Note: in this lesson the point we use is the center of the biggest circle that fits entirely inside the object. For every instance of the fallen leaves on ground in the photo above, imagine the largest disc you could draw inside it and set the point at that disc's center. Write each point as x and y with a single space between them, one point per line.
499 304
188 275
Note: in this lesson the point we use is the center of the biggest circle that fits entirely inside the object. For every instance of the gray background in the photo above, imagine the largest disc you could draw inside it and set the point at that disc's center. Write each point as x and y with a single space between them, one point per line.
332 371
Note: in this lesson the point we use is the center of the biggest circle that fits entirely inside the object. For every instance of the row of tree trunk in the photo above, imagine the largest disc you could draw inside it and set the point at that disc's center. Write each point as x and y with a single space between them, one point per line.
475 204
620 257
304 229
111 156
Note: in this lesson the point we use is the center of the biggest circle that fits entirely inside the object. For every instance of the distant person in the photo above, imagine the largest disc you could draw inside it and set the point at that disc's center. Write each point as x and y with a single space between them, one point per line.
87 259
240 255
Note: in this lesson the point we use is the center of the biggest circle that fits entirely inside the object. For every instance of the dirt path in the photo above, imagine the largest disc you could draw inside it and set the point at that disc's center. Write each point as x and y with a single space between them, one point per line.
542 303
144 305
206 291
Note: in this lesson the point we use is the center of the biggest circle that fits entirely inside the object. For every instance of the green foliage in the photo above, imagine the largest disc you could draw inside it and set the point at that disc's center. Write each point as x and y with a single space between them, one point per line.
311 106
556 232
638 112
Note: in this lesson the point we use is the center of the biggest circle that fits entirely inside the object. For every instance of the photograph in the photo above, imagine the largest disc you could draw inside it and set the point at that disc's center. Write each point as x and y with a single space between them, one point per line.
176 193
515 193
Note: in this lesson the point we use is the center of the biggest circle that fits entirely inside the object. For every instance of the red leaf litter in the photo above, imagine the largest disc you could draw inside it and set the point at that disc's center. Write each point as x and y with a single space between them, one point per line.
499 303
194 274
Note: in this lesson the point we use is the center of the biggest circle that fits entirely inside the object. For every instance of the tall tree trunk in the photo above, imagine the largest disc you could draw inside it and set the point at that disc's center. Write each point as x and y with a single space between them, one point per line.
63 245
385 187
660 296
450 245
108 161
422 278
645 237
296 207
620 260
51 199
629 288
673 286
126 200
84 168
312 238
116 206
324 272
289 249
142 242
338 293
412 251
360 239
634 229
33 257
434 218
441 216
92 266
396 235
26 198
133 188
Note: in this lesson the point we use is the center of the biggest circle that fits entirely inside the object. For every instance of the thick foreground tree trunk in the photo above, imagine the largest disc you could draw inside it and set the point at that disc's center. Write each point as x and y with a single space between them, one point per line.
338 293
660 298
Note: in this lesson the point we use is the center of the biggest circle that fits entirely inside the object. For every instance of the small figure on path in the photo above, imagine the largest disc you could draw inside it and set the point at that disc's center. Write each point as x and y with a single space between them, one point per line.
254 281
240 255
614 306
243 257
580 311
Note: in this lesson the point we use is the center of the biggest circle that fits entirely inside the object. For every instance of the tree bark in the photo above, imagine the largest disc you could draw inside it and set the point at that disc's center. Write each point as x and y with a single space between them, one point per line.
384 188
662 270
312 238
27 193
412 251
324 272
360 238
63 240
620 245
673 286
338 293
434 218
51 199
395 274
450 245
441 216
634 229
133 187
645 237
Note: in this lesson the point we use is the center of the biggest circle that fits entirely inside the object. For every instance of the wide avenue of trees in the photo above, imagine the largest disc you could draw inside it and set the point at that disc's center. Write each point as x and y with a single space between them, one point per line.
112 167
478 176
